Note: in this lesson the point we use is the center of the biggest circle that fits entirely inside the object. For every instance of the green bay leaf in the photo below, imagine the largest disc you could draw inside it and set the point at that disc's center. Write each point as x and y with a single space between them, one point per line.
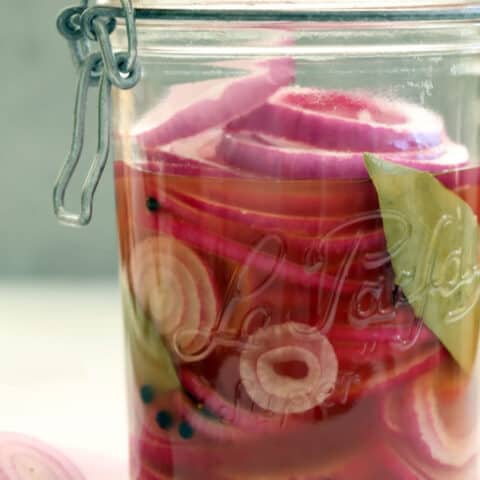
150 359
432 238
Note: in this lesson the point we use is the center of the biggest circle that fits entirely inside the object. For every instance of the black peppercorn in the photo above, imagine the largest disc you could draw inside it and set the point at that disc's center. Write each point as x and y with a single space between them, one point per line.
153 205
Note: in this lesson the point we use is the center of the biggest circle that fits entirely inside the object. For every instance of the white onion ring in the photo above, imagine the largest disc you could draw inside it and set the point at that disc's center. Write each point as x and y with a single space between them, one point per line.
288 342
174 288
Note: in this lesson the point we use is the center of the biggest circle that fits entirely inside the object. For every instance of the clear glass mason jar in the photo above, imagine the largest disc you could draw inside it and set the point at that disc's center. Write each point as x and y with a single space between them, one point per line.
297 199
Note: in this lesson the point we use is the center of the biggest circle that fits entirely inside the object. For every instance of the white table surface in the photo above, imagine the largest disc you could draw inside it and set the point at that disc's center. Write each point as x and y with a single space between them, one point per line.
62 371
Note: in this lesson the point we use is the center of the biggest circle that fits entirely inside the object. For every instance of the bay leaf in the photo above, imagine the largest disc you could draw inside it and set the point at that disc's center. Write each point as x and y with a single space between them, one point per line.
432 239
151 361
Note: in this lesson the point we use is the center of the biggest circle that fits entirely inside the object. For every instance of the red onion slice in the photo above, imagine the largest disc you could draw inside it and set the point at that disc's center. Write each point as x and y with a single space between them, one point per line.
220 246
23 458
393 405
402 330
437 438
282 391
233 414
175 289
414 365
398 340
128 189
432 415
321 235
354 355
461 178
244 151
457 180
212 430
389 374
315 199
308 241
192 108
176 457
194 156
344 121
334 229
404 463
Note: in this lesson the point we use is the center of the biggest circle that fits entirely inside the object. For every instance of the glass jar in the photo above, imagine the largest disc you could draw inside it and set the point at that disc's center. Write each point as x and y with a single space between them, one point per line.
297 198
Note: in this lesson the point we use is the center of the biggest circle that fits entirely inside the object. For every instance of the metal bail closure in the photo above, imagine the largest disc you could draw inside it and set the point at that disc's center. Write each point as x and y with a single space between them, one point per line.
80 26
88 78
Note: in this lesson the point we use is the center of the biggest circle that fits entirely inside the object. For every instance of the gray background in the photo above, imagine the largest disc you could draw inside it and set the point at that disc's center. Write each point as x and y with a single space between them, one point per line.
36 100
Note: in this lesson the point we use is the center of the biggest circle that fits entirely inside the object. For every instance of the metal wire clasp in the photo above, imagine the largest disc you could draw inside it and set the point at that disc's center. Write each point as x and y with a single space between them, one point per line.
82 26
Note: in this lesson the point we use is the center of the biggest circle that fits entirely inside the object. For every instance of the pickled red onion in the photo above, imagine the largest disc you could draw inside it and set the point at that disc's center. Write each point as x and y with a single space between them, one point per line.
175 289
286 343
192 108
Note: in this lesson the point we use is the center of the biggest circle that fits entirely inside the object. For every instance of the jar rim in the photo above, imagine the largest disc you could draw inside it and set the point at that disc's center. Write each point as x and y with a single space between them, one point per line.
306 10
337 5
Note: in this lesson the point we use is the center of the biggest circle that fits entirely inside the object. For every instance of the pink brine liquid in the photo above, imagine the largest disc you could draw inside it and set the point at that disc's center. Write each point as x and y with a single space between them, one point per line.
267 336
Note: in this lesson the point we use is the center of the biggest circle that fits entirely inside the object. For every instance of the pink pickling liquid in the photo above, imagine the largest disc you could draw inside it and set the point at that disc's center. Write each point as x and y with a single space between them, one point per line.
221 425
